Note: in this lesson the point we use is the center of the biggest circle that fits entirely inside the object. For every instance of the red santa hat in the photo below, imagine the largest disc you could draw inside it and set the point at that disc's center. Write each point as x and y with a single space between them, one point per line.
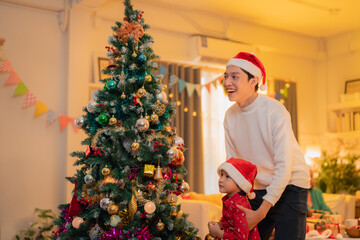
242 172
251 64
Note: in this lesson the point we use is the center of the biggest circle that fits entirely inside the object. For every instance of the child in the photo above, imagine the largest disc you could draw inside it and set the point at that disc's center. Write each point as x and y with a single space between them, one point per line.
236 180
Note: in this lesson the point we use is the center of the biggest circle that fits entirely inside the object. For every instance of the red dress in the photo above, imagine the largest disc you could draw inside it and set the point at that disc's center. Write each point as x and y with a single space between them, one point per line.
234 221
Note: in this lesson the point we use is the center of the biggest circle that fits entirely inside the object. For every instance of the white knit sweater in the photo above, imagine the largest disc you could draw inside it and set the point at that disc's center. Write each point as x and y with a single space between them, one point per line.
261 133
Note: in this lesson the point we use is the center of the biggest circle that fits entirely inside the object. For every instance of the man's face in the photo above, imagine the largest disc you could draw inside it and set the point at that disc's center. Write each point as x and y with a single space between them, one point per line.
237 84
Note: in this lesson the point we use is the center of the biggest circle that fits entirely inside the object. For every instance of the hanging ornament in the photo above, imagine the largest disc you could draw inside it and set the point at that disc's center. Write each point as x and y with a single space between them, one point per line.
179 143
150 207
172 198
159 108
209 237
132 206
142 58
96 232
113 209
90 106
135 146
88 179
105 171
105 203
114 220
167 128
79 122
142 124
112 121
160 226
149 170
103 119
162 97
179 159
154 118
76 222
141 92
134 54
123 96
112 65
172 153
158 174
184 187
110 84
147 117
151 186
124 216
148 78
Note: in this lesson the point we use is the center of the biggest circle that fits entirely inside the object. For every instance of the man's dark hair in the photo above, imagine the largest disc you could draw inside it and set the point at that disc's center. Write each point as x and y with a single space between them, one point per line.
250 76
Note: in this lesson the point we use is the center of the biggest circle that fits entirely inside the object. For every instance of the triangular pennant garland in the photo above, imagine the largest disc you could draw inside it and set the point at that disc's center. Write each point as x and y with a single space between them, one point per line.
162 70
52 116
208 86
73 123
64 121
182 85
198 88
6 66
40 109
21 89
30 99
172 81
12 79
190 87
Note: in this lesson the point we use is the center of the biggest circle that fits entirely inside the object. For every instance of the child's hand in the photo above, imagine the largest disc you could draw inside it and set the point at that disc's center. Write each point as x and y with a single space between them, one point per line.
215 230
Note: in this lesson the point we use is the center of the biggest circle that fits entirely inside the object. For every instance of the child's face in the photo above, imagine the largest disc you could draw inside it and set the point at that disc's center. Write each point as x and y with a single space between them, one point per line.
227 184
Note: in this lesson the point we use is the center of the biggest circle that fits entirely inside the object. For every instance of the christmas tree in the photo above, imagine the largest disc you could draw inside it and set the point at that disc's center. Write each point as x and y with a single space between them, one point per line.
131 172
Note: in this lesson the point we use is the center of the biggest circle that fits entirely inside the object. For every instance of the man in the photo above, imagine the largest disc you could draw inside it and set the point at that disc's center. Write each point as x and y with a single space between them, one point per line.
258 128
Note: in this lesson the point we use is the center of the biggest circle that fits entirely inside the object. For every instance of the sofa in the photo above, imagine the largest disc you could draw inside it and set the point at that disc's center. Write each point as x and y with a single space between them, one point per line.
203 208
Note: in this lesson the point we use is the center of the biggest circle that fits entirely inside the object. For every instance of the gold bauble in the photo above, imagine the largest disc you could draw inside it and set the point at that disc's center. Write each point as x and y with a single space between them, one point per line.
154 118
148 78
135 146
160 226
209 237
147 117
159 108
112 121
105 171
132 206
134 54
140 92
173 213
123 96
113 209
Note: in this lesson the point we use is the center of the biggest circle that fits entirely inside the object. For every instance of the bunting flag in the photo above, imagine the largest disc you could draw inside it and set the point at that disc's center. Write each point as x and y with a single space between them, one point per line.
30 99
73 124
64 121
198 88
12 79
6 66
40 109
172 81
21 89
182 85
52 116
208 86
190 87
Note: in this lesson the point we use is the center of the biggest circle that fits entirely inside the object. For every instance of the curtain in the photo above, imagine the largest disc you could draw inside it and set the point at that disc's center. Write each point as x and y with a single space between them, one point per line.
188 123
290 102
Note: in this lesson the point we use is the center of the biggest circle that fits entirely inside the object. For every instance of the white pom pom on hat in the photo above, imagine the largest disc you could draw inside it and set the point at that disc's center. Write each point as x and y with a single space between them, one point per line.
242 172
250 63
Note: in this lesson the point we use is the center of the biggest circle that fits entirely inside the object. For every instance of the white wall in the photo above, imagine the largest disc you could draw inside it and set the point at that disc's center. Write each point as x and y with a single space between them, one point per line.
58 67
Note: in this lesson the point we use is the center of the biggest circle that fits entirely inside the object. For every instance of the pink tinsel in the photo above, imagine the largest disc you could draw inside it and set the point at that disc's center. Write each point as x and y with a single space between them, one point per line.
141 234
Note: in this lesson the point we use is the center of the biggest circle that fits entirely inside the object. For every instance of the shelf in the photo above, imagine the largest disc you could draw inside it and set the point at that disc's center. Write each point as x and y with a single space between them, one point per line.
344 107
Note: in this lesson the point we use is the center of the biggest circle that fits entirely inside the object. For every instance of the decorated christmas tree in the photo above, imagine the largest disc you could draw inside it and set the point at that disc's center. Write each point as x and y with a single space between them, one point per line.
131 173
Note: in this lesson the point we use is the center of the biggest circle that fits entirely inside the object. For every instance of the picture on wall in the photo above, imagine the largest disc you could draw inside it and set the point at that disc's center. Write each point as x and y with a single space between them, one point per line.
352 86
102 64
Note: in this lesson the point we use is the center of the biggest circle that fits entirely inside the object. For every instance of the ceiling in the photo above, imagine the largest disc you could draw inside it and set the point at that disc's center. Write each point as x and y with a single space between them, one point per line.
316 18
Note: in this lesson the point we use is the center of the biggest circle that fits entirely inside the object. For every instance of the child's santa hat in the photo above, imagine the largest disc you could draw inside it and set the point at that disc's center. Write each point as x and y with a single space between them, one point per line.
251 64
242 172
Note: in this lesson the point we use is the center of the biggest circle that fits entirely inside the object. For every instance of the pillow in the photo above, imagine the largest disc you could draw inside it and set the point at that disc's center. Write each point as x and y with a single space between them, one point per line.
336 202
212 198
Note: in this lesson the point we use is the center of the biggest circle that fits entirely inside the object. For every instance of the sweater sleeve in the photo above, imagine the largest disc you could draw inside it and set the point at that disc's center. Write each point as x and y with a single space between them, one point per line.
229 147
240 229
282 133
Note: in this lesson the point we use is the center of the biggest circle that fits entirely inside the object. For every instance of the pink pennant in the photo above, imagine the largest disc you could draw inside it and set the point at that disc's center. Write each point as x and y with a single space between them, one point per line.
12 79
30 99
64 121
6 66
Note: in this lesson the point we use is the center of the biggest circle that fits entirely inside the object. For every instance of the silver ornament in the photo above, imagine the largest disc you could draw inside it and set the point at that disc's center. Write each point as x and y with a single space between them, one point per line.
178 141
96 232
162 96
105 203
184 187
172 153
79 122
142 124
114 220
90 106
88 179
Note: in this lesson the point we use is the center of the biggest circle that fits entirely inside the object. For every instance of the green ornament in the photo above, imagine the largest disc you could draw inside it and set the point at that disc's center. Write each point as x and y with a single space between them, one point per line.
103 119
111 84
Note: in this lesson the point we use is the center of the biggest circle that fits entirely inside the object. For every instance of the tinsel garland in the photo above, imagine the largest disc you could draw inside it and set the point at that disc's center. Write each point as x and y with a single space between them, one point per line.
141 233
